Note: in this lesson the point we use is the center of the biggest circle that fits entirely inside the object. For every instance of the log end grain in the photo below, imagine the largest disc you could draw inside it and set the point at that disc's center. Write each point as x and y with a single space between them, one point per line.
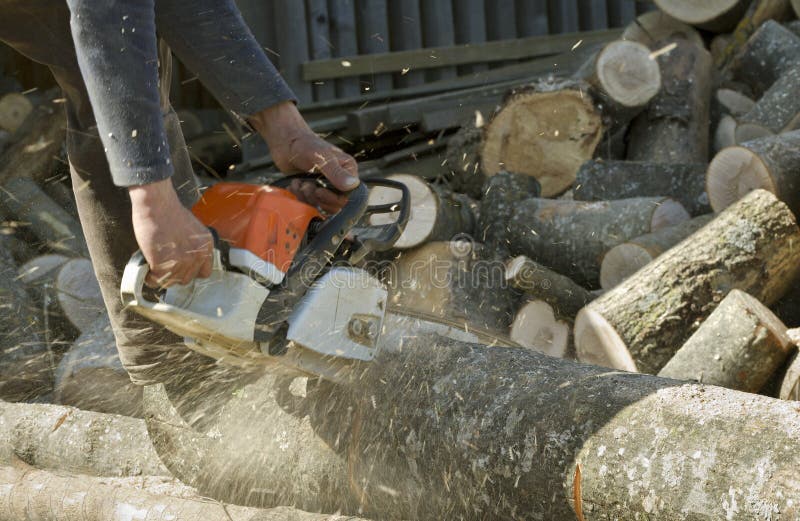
709 13
424 208
669 212
621 262
655 26
536 327
733 173
627 73
598 343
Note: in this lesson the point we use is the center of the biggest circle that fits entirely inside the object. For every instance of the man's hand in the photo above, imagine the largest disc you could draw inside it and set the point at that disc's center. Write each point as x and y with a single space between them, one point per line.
296 148
177 246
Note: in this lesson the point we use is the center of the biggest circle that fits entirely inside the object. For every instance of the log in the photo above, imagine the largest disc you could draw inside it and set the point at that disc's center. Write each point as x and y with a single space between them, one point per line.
22 199
674 127
571 237
436 214
620 262
431 429
640 324
796 7
759 12
717 16
90 375
606 180
463 159
739 346
538 282
772 50
729 101
65 438
32 155
460 281
537 327
14 108
501 193
725 134
771 163
655 26
27 493
790 383
777 111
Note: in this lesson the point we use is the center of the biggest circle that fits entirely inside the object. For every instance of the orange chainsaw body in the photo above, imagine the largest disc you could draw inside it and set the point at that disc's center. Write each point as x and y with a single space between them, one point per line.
267 221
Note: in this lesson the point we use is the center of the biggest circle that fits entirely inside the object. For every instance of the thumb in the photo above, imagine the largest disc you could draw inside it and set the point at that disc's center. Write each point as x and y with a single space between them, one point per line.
340 178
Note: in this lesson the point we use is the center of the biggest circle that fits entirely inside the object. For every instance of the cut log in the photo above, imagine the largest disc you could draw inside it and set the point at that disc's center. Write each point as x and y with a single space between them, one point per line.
41 268
790 383
536 327
539 282
718 16
428 408
436 214
739 346
571 237
32 156
794 25
759 12
771 51
674 127
729 101
607 180
57 437
718 45
640 324
501 193
626 259
796 7
460 281
771 163
777 111
90 375
14 108
546 131
24 201
28 493
463 159
725 134
654 26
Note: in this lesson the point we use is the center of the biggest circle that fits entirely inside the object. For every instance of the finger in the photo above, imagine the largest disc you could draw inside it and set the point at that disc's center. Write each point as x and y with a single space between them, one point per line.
307 190
347 162
329 201
190 274
340 177
205 269
296 188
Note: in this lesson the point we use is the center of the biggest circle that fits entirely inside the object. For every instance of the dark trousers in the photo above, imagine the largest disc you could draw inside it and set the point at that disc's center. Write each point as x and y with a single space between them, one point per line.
40 30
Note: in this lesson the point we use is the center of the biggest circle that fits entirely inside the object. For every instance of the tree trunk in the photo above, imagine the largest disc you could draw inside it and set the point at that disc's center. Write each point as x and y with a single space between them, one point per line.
640 324
771 51
502 193
759 12
655 26
90 375
606 180
571 237
538 282
459 280
24 201
728 102
57 437
435 214
28 493
777 111
771 163
675 126
431 429
739 346
537 327
725 134
620 262
464 162
718 16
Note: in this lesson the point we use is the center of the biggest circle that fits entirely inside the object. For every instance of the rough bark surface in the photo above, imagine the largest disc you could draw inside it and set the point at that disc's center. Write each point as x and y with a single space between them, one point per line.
739 346
751 246
434 425
537 281
463 161
501 194
674 127
606 180
771 51
778 108
571 237
759 12
58 437
32 156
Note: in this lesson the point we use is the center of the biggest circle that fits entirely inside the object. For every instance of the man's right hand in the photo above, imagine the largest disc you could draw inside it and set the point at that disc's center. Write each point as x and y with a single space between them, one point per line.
175 244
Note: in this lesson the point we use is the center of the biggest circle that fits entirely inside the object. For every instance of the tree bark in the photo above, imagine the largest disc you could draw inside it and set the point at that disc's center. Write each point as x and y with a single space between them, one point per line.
436 215
536 281
58 437
717 16
771 163
433 425
28 493
32 156
728 102
655 26
675 126
571 237
620 262
771 51
759 12
607 180
501 193
739 346
464 162
777 111
640 324
536 326
23 200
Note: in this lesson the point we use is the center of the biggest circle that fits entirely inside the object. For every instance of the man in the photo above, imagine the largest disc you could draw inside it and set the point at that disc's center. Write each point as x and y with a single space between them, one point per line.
130 168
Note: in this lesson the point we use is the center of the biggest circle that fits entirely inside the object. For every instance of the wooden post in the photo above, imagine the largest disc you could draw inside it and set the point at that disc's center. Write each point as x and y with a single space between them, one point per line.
640 324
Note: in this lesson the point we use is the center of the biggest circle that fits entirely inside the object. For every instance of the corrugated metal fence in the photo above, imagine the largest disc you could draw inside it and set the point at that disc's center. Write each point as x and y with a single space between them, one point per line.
298 31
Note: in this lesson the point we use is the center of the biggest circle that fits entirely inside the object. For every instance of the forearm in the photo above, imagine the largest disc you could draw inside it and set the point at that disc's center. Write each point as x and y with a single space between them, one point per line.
115 43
